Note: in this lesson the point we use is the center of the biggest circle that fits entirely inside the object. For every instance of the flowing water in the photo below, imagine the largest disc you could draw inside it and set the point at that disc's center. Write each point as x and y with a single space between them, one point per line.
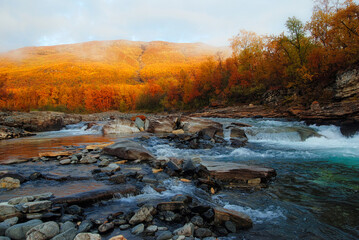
315 195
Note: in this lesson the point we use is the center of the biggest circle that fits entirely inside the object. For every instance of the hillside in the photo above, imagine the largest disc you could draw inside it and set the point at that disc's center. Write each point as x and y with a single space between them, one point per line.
101 62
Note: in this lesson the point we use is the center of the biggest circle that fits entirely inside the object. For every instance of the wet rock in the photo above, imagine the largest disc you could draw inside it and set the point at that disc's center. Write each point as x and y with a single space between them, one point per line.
113 167
151 229
88 159
187 230
106 227
4 238
8 211
118 178
65 161
164 235
38 206
197 220
144 214
238 133
96 195
203 232
181 198
18 231
98 146
87 236
209 214
69 217
85 226
230 226
69 234
9 183
119 221
161 125
170 206
54 154
125 226
128 150
119 237
104 163
66 226
6 224
200 209
74 209
241 220
138 229
43 231
170 216
35 175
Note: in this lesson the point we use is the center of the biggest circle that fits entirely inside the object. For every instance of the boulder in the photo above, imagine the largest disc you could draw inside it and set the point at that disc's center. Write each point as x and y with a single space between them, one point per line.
18 231
9 183
66 235
87 236
161 125
120 126
38 206
144 214
238 173
241 220
12 174
43 231
194 125
128 150
6 224
238 133
8 211
187 230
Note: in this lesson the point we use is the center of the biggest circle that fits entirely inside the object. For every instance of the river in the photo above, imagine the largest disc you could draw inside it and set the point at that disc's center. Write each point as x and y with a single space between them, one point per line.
315 195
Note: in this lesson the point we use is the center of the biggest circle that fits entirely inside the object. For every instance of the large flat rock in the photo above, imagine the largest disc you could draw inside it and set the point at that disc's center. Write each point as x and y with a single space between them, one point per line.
239 173
128 150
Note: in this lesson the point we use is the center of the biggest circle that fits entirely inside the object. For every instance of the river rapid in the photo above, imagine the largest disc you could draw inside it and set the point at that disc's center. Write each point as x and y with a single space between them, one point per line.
315 194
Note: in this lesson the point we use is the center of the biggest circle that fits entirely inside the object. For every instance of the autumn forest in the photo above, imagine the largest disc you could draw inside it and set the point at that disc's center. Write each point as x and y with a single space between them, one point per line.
122 75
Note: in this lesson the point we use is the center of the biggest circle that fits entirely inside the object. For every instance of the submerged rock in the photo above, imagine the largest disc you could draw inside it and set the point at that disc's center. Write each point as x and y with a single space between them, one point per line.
241 220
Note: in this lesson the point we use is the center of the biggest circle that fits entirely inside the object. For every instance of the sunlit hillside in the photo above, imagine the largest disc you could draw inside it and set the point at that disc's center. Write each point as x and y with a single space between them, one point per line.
101 62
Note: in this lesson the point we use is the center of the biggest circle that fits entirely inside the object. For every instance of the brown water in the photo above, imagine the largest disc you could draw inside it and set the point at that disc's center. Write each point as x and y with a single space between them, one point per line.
23 148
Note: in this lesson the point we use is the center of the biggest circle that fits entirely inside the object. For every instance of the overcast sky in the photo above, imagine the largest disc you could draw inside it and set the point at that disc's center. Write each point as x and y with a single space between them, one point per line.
50 22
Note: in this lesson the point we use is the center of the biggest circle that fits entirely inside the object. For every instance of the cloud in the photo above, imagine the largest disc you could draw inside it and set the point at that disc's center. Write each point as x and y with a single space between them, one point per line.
50 22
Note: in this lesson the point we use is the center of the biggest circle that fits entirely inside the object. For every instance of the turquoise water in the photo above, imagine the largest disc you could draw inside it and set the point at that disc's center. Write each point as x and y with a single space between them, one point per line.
316 192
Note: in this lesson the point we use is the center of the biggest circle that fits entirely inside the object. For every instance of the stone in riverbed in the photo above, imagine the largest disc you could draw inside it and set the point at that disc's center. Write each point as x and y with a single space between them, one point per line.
9 183
6 224
203 232
105 227
187 230
119 237
197 220
88 159
65 161
8 211
43 231
85 226
66 235
241 220
18 231
128 150
230 226
87 236
38 206
138 229
164 235
170 206
125 226
144 214
151 229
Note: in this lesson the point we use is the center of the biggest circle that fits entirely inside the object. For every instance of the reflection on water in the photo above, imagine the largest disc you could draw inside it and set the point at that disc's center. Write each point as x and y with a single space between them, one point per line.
32 146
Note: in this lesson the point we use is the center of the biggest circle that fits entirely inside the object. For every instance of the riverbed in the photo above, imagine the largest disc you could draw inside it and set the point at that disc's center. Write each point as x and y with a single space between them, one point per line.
314 196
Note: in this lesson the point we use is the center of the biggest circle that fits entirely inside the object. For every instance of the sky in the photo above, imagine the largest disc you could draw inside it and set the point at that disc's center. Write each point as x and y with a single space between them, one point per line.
51 22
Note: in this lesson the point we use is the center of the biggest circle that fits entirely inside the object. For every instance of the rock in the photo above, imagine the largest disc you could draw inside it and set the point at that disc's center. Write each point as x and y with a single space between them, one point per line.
34 207
113 167
151 229
140 124
65 162
125 226
55 154
238 173
189 167
170 216
241 220
69 234
25 199
11 132
181 198
238 133
6 224
98 146
87 236
43 231
347 84
230 226
128 150
164 235
105 227
4 238
138 229
170 206
119 237
8 211
197 220
35 175
14 175
66 226
85 226
161 125
9 183
74 209
178 131
18 231
187 230
88 159
209 214
203 232
104 163
118 178
144 214
120 126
